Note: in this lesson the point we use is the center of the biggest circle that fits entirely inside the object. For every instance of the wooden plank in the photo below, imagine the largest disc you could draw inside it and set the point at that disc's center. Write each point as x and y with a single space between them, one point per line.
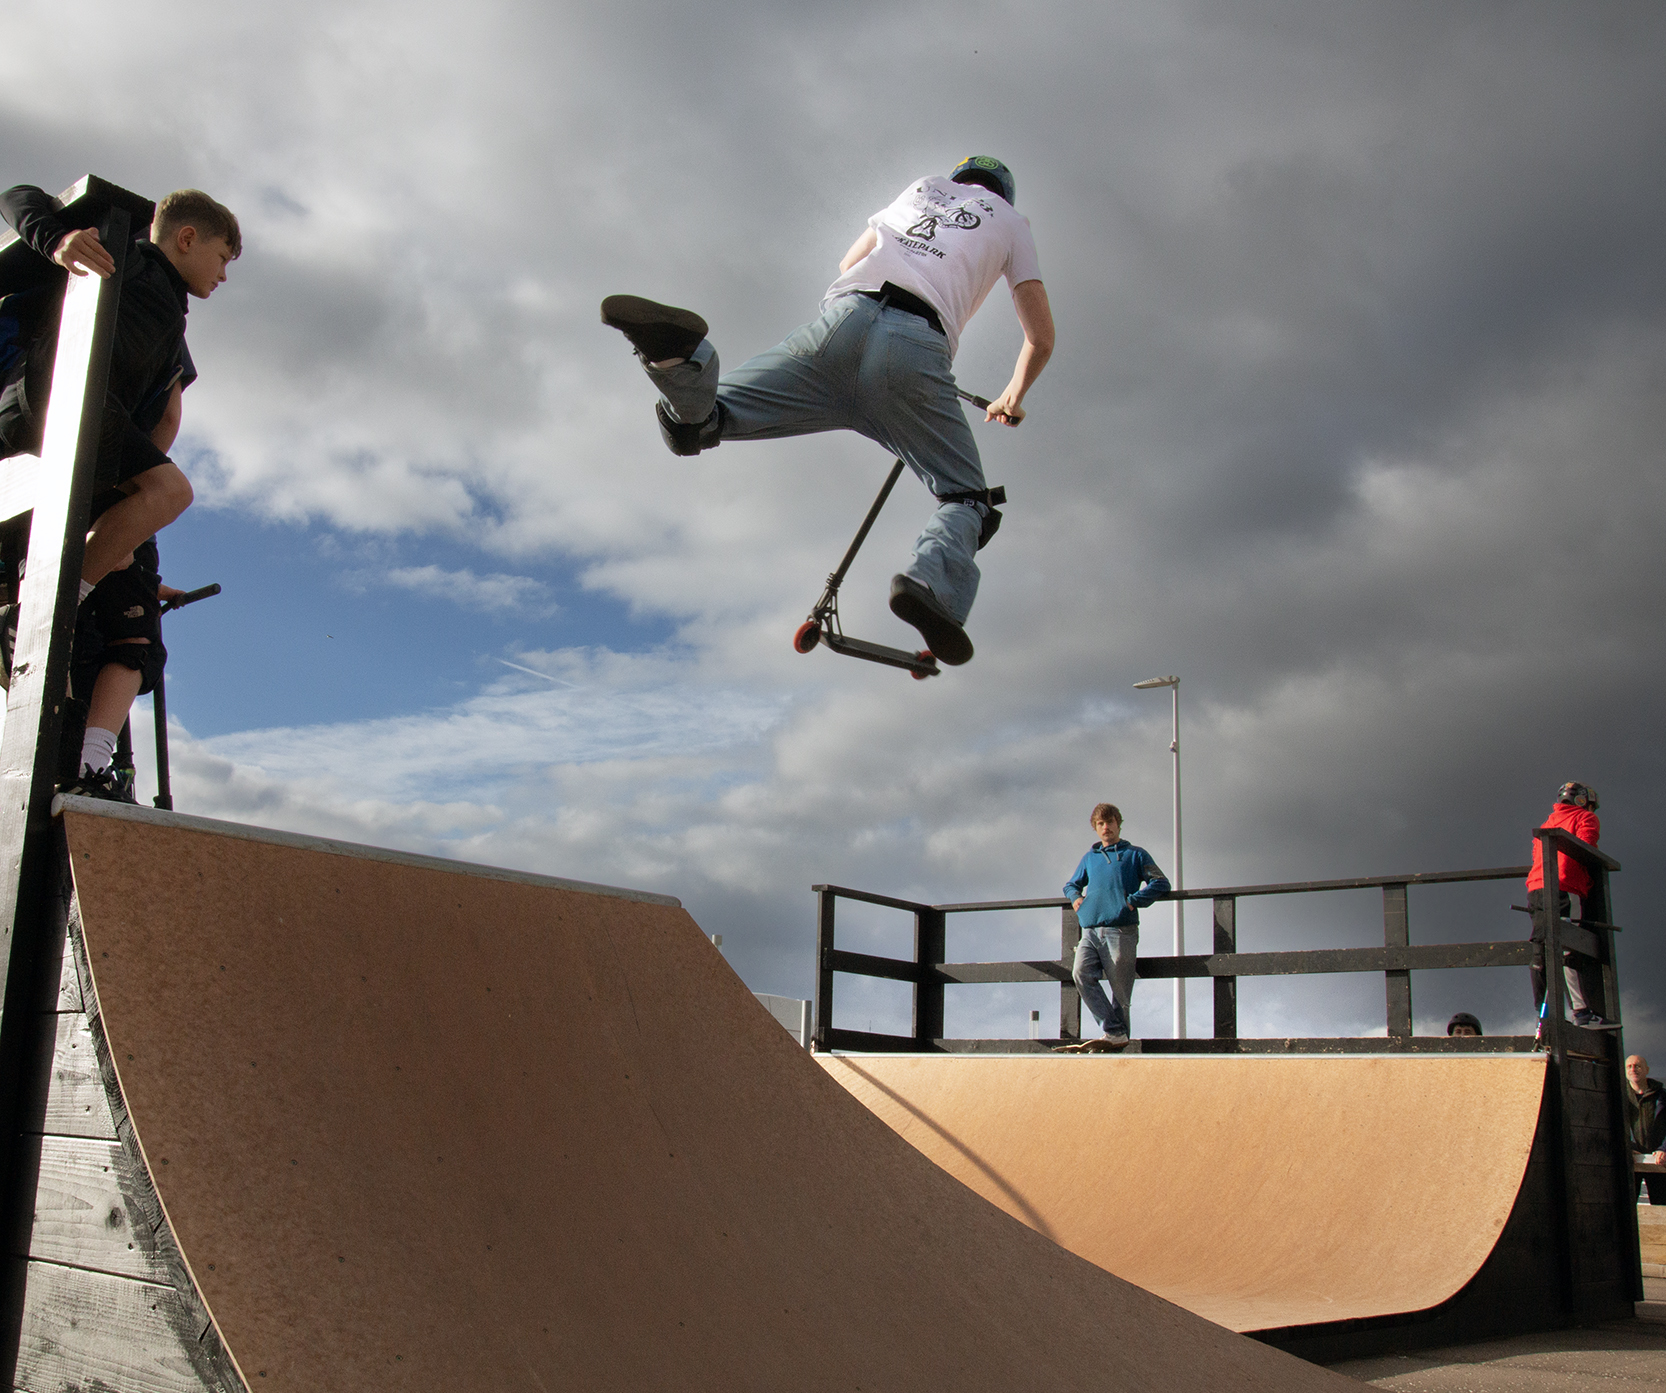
867 965
1594 1146
77 1103
930 947
968 973
1416 958
88 1330
1587 1109
1584 1074
1347 1044
1580 851
839 1039
1368 882
1226 988
1070 998
845 893
95 1208
1397 981
69 981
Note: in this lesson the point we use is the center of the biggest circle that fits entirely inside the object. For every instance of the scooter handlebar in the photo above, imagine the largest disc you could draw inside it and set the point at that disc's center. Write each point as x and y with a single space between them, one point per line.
190 597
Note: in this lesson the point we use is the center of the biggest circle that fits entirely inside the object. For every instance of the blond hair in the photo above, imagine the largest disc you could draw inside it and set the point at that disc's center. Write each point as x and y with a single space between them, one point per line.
194 208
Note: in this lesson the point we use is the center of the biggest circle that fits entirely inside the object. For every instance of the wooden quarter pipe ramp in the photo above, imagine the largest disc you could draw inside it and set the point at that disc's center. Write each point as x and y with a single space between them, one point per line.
380 1123
1261 1192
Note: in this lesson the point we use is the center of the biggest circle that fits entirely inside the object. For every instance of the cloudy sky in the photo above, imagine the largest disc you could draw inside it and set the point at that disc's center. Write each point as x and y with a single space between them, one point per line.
1355 424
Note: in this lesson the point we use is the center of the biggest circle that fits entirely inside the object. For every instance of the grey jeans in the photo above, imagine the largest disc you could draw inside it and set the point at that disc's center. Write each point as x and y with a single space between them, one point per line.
1106 954
881 372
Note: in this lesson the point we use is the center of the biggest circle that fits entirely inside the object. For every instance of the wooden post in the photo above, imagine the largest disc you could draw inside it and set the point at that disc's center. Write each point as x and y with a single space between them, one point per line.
1226 988
1556 1046
1397 983
826 901
47 605
1070 1000
930 946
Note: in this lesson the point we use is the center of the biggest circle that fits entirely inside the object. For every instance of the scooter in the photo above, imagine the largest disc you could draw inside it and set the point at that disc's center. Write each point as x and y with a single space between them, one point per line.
823 624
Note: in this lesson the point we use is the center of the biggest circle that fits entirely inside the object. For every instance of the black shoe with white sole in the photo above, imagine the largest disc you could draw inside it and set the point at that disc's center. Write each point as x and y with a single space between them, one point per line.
914 604
656 331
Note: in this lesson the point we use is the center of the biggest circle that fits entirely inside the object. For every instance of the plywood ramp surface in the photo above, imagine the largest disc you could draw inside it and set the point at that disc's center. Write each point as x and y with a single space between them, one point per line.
417 1128
1258 1192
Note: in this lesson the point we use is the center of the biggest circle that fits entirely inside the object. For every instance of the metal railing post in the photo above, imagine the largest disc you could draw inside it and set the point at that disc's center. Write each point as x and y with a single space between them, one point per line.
159 718
1397 982
1226 988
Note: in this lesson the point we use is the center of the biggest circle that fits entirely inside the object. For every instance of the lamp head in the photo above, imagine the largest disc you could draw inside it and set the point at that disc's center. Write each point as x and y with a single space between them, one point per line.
1157 682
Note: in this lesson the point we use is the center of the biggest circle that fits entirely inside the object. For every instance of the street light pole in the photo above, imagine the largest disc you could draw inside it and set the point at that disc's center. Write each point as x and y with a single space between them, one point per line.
1173 684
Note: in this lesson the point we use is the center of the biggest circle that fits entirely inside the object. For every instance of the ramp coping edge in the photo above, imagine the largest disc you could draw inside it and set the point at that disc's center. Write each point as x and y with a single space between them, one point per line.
156 817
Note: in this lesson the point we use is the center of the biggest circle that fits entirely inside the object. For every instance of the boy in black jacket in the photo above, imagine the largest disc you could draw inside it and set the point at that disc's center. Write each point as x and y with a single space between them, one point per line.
137 488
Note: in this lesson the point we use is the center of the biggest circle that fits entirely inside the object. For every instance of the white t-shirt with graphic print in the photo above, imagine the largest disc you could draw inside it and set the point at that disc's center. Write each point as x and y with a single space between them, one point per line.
947 243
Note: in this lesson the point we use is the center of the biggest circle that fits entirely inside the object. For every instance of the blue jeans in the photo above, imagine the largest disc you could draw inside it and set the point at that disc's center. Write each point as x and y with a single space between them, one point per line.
1107 953
881 372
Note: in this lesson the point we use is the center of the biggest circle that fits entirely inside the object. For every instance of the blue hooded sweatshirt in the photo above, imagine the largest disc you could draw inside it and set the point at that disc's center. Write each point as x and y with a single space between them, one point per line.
1109 878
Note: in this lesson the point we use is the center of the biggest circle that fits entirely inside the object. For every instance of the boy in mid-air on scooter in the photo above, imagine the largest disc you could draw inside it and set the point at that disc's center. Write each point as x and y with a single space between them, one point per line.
877 361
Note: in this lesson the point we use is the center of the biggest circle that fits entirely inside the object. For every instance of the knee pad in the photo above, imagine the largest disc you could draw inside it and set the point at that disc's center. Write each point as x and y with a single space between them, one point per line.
685 440
146 659
125 605
991 525
984 500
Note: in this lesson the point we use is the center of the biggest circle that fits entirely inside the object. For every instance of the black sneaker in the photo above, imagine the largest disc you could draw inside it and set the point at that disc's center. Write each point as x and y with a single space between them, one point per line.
914 604
123 779
97 783
656 331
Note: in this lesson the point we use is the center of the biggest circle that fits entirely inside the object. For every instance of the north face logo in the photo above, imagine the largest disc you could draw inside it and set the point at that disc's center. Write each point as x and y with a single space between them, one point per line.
136 612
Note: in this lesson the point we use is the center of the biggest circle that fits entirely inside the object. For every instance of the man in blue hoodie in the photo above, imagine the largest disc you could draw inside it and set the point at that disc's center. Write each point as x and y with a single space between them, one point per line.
1112 884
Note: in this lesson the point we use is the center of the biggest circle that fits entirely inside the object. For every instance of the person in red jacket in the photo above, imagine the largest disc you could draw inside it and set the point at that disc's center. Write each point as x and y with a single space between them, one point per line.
1576 813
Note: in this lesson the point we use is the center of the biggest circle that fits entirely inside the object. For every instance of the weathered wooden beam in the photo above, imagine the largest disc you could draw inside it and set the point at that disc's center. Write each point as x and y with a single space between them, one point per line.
867 965
871 1040
1043 970
912 906
1226 987
31 860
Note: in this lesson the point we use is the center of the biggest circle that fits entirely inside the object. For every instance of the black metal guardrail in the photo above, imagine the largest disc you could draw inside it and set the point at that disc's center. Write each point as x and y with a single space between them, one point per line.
1589 941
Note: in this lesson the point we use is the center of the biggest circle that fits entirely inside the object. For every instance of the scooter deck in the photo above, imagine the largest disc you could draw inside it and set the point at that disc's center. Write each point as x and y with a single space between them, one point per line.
921 664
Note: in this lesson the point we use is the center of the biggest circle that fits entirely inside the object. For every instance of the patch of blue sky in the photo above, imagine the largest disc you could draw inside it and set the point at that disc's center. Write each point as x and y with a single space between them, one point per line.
318 627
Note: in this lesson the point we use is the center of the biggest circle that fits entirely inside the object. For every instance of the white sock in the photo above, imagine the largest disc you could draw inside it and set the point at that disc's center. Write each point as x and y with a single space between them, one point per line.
98 749
86 590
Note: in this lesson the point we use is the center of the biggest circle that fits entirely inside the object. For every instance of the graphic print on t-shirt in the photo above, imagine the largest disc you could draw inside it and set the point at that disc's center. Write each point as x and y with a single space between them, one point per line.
960 216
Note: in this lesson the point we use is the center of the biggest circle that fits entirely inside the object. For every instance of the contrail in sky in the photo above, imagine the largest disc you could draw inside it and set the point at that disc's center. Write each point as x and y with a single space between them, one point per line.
534 671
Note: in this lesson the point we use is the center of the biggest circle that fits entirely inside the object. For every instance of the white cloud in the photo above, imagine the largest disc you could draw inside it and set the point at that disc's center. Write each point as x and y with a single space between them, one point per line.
493 593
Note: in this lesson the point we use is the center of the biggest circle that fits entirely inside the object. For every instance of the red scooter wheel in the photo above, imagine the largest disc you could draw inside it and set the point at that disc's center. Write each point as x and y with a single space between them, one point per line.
922 655
808 636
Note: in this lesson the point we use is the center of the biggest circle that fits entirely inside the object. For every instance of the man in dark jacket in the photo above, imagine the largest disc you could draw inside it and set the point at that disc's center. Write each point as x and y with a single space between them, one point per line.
137 488
1645 1101
1112 883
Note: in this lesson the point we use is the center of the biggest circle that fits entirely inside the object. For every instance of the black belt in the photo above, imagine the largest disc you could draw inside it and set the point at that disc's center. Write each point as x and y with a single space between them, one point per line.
895 295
